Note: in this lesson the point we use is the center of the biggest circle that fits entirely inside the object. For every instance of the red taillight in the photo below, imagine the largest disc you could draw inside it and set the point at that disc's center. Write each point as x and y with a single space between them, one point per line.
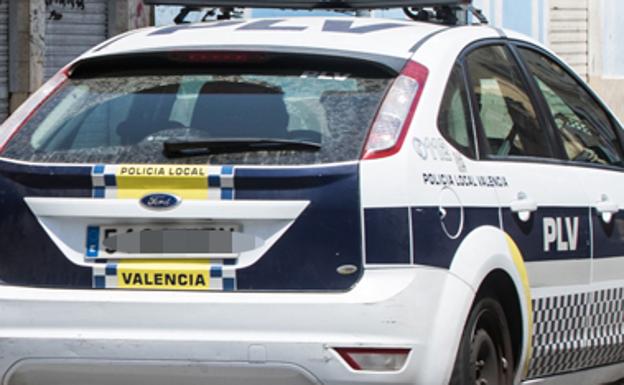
219 57
20 117
390 127
374 359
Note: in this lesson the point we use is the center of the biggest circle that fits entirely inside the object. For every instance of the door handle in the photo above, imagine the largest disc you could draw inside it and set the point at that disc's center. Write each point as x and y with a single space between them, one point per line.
607 208
523 206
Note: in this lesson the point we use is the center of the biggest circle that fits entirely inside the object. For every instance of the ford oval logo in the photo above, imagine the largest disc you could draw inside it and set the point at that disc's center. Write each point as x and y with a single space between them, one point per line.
160 201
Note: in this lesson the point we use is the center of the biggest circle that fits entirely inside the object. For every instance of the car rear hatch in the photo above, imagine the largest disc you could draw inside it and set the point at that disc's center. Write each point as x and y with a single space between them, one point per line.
190 171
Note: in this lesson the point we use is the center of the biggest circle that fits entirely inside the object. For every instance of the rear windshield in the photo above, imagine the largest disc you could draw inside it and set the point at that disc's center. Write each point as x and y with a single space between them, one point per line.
131 117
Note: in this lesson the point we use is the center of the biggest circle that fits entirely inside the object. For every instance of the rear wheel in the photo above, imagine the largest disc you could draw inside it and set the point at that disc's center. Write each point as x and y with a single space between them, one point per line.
485 351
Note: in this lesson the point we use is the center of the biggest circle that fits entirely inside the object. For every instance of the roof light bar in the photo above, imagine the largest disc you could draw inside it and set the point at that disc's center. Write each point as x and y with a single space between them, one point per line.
312 4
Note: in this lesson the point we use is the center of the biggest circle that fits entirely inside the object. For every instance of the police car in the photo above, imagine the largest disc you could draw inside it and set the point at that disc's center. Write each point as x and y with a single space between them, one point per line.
313 201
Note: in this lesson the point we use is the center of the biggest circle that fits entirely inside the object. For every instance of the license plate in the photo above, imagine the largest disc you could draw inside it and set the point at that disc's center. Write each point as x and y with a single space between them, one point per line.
176 241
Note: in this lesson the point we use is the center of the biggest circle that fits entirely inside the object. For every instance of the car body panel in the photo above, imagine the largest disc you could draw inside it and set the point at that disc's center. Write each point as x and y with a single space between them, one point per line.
339 34
422 246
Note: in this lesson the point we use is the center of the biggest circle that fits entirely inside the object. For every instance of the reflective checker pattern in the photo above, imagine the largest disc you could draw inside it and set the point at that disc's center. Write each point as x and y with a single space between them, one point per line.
577 331
558 334
605 334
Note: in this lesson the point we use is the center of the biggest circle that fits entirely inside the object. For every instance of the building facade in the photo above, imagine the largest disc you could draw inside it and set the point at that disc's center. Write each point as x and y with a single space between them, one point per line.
4 59
38 37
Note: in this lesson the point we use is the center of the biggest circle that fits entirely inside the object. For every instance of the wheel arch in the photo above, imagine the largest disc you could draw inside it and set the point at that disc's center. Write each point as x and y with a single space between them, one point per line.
499 285
488 260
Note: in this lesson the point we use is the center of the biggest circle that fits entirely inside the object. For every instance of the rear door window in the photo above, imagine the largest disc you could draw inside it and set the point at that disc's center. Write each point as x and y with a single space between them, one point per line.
285 112
508 116
584 127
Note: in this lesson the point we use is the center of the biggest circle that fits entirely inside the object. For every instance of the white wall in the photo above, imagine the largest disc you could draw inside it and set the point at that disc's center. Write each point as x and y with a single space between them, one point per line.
612 39
525 16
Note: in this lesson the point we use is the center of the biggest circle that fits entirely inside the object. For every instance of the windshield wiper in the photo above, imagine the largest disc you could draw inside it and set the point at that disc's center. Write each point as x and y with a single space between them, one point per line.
234 145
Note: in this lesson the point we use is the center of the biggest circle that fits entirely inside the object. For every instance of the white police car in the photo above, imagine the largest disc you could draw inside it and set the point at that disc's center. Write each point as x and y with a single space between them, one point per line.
312 201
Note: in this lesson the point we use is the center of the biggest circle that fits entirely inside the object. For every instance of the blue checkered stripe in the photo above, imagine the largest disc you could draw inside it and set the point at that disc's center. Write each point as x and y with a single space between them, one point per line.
222 276
105 276
221 183
104 181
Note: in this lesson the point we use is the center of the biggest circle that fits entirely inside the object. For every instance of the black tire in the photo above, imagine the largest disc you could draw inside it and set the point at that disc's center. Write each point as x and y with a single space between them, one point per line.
485 355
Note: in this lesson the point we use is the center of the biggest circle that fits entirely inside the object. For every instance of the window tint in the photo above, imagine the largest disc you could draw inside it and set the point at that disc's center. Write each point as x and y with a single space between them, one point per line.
584 127
454 118
508 117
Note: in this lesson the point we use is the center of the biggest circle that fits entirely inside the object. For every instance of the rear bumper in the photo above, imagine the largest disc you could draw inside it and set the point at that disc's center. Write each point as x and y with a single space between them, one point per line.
261 338
104 372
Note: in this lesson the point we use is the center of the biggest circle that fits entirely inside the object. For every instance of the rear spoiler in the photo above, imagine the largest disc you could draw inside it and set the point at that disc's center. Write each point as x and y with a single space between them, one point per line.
312 4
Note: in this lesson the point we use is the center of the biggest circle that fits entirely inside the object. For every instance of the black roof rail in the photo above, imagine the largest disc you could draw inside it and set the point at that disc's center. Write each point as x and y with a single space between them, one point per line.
449 12
312 4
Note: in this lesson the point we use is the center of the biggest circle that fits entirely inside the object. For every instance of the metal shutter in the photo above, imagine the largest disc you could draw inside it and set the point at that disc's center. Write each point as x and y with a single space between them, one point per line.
4 59
77 31
569 32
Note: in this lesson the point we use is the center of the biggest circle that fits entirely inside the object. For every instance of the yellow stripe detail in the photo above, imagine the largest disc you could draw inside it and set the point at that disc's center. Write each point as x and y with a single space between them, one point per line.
136 181
164 275
520 266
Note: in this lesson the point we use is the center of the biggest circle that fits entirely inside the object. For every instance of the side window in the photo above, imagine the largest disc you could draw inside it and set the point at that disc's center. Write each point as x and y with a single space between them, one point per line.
454 119
508 117
584 127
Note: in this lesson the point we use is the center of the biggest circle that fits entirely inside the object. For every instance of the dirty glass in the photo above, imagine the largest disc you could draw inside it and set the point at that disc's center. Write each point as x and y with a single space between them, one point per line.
127 119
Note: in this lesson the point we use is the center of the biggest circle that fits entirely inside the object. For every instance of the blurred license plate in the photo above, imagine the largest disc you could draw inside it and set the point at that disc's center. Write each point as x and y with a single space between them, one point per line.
166 241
